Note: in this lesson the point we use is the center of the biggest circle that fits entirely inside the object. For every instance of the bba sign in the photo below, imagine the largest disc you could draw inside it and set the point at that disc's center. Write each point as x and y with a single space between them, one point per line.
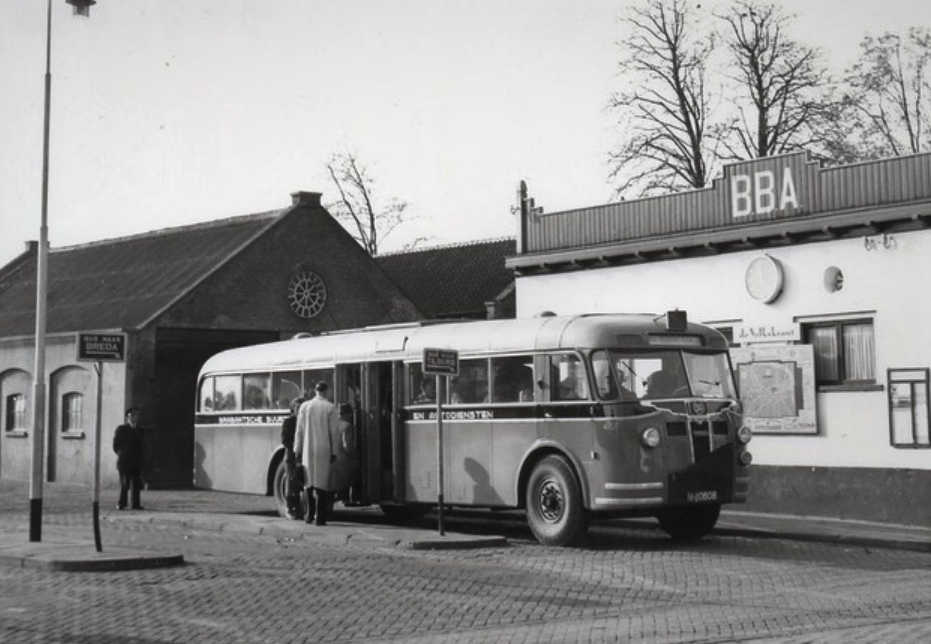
760 193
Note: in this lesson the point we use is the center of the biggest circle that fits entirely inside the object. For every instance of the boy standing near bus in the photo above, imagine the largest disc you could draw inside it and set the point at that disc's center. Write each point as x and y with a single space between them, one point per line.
293 484
315 441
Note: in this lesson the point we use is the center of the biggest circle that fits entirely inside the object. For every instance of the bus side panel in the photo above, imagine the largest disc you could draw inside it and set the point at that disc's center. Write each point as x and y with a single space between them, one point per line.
258 443
468 465
204 456
631 476
419 453
234 458
510 441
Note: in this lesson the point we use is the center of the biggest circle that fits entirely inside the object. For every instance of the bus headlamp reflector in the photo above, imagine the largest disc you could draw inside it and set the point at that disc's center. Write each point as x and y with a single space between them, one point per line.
744 434
746 458
650 437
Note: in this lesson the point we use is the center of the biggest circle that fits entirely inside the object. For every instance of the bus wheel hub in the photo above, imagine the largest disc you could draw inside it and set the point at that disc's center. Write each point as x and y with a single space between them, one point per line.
551 501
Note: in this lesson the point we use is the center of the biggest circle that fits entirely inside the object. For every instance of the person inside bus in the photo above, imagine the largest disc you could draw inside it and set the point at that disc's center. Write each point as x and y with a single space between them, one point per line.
427 392
347 458
316 440
292 478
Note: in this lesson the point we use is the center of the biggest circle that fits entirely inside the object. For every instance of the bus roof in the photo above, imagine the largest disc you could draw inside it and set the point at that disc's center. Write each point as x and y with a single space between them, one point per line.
407 341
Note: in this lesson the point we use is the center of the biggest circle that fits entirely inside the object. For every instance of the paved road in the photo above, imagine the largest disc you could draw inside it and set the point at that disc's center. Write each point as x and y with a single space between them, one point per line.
626 585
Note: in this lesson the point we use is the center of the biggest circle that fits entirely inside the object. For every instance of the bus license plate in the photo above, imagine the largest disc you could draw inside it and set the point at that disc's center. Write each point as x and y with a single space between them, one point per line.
708 496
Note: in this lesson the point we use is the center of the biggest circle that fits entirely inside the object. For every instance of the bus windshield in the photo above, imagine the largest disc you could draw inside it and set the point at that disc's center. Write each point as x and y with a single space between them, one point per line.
629 376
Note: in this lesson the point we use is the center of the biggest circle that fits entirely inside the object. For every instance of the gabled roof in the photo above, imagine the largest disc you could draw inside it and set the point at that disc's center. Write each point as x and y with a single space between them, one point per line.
121 283
452 281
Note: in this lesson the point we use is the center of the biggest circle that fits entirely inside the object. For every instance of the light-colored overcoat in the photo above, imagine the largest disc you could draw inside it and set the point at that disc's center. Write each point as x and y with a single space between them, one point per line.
317 440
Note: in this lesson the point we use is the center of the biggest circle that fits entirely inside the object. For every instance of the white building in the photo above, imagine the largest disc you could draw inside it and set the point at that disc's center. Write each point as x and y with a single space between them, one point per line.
821 277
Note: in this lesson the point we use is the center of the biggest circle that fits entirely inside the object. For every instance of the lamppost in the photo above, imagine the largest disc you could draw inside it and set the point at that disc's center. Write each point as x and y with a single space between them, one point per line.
81 8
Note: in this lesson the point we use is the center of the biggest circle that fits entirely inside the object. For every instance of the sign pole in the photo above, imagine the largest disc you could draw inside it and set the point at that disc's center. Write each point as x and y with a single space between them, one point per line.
97 348
439 453
95 495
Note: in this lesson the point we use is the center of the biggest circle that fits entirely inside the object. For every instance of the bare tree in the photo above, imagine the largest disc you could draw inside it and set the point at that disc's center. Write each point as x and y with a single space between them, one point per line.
357 208
788 105
663 114
891 93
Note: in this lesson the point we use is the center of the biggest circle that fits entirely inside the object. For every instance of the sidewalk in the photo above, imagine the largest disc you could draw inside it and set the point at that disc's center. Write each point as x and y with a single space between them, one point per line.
68 541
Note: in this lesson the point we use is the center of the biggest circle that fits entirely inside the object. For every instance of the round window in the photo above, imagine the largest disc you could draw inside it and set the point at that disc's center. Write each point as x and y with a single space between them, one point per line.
306 293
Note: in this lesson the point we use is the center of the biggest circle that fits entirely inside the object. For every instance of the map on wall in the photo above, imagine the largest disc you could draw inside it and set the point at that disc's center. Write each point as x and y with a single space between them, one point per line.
777 388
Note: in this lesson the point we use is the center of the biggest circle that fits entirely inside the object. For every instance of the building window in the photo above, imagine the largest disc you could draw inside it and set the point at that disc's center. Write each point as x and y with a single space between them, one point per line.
15 413
844 351
909 417
72 412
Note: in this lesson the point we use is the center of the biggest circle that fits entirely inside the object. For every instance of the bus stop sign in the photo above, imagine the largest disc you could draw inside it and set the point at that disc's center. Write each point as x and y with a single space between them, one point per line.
98 347
440 362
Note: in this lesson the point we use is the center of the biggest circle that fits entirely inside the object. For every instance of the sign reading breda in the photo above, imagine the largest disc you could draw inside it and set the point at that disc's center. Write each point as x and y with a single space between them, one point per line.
99 348
441 363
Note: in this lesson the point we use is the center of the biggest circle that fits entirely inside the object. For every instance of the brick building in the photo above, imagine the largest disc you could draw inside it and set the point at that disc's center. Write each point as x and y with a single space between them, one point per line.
179 295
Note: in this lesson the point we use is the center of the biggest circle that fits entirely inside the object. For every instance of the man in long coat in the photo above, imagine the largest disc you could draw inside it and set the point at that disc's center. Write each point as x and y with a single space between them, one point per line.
316 441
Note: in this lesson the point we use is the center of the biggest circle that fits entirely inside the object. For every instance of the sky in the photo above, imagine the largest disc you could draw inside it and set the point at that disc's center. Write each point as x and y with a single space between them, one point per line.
173 112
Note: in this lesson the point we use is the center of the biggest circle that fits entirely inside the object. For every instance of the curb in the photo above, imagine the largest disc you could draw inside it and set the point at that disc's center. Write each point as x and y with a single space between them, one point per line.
71 557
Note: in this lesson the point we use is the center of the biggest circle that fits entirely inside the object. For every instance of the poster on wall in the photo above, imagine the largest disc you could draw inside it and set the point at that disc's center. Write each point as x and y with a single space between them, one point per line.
777 388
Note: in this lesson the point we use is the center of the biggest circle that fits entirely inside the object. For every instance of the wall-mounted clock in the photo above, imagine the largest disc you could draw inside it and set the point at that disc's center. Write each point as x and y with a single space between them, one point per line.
764 279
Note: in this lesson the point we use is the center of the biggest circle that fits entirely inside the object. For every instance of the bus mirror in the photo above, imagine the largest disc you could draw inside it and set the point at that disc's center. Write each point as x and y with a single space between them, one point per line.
676 321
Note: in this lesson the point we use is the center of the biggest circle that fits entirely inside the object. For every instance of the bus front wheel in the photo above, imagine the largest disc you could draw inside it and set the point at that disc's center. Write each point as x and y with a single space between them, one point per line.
554 503
689 523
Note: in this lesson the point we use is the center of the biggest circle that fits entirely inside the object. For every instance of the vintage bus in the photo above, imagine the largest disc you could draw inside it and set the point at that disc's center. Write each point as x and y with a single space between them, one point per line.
566 417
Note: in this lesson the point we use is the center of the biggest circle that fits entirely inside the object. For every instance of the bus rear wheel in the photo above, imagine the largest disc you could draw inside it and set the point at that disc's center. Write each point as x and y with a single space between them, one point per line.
689 523
554 503
280 491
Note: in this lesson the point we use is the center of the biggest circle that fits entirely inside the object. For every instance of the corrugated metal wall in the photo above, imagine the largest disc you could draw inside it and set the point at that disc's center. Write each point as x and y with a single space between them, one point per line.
818 191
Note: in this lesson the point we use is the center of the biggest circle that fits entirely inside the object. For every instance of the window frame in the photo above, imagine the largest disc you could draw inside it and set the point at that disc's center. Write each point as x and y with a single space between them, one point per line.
10 426
68 431
843 383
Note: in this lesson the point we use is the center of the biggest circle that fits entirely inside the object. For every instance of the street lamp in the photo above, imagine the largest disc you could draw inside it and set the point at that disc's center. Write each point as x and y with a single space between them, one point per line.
81 8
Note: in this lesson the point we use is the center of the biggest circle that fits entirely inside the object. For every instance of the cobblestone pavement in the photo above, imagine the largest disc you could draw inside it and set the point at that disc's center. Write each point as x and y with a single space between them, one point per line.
626 585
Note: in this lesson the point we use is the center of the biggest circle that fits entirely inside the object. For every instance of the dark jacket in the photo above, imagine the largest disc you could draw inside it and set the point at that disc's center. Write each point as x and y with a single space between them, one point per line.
287 432
129 445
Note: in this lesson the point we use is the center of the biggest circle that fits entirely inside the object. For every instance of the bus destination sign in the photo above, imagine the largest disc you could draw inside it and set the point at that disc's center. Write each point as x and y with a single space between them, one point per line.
99 347
440 362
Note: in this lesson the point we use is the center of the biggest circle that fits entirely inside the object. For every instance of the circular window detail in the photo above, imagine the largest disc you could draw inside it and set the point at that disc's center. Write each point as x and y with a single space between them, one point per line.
306 293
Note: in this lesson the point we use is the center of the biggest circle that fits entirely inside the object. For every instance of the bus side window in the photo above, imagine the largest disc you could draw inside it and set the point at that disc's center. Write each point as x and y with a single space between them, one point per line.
286 386
227 394
567 378
206 394
605 382
470 387
513 379
313 376
257 391
421 389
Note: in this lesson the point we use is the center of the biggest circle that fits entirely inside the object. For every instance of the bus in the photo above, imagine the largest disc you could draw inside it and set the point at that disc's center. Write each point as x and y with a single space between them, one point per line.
568 418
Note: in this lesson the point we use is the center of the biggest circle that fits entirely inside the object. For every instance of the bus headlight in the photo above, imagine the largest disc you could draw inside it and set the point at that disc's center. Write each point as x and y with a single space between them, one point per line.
746 458
650 437
744 434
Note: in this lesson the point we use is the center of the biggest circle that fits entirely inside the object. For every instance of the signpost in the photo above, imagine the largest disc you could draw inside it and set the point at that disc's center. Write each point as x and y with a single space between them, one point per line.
99 348
441 363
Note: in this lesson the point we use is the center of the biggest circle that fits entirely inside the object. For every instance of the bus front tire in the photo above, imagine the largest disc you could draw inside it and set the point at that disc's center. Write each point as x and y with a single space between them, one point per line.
689 523
554 503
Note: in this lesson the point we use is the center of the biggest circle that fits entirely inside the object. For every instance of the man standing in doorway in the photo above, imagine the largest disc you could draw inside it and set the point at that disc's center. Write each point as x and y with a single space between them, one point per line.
315 443
129 445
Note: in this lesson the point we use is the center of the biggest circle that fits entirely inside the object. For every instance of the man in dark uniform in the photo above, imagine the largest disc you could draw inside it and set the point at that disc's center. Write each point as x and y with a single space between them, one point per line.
129 445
